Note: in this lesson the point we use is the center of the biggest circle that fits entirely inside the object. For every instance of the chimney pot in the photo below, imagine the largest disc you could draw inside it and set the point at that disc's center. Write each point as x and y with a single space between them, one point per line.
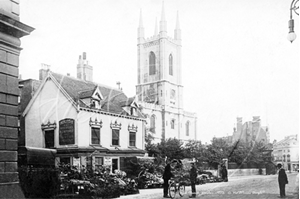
84 55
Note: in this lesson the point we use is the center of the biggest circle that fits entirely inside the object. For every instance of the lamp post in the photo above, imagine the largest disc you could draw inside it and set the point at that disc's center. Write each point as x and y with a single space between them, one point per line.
294 7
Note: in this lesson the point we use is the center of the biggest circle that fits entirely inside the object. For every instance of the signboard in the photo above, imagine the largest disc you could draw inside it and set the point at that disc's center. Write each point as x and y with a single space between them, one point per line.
107 161
66 132
76 162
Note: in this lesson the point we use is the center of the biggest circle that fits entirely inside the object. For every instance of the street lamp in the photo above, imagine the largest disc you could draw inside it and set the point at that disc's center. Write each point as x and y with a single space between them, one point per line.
292 35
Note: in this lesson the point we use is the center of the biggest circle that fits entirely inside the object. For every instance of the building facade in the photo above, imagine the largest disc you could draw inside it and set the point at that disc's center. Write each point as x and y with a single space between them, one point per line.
250 131
84 123
159 83
286 152
11 30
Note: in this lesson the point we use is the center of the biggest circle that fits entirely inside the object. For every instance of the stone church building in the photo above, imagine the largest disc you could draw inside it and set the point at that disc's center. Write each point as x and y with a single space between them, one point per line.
159 88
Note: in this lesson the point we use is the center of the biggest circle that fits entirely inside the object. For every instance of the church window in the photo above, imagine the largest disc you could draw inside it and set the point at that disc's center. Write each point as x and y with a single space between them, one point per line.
172 124
152 124
171 64
152 60
187 128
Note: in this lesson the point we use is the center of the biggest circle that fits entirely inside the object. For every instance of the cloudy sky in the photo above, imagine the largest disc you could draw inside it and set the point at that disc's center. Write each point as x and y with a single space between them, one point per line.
236 60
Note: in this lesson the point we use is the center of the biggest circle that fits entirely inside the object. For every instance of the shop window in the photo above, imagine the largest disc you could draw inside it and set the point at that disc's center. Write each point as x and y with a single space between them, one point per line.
98 162
65 160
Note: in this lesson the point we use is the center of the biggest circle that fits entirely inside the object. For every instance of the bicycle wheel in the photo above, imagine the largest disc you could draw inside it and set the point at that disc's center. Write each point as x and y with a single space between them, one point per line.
172 190
181 189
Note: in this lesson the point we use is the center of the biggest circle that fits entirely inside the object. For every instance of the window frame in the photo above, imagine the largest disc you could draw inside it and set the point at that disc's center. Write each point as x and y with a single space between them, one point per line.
132 130
115 127
96 125
49 127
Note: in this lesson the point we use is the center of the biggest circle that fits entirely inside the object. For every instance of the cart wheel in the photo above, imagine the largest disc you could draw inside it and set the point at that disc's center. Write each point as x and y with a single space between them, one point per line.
172 190
181 190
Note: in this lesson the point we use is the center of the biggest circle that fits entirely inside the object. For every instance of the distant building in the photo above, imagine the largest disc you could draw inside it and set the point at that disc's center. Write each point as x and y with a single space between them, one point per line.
159 84
81 122
286 152
250 131
84 70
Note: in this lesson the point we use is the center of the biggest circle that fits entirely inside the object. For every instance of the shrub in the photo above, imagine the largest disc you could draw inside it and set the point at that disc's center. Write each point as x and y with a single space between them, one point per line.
39 182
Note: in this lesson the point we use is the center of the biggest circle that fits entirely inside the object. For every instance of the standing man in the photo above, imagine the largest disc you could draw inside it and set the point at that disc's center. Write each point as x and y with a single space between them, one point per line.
193 178
166 176
224 173
282 180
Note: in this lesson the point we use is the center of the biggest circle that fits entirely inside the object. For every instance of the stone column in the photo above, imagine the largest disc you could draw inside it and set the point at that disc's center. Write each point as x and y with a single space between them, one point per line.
11 30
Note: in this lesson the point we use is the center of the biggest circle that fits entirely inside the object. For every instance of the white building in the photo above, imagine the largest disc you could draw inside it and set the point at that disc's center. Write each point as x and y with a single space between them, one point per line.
286 152
159 87
86 123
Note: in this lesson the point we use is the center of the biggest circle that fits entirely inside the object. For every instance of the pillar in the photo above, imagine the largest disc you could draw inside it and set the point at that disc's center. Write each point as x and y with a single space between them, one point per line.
11 30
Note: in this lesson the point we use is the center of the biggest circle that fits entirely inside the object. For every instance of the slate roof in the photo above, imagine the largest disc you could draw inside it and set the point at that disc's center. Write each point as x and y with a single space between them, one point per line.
78 89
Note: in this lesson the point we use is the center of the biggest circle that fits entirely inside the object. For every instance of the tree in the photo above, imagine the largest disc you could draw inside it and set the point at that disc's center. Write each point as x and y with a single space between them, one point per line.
195 149
150 147
217 151
171 148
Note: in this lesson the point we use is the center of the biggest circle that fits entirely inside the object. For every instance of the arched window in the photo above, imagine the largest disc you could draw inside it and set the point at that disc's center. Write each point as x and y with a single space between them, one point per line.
172 124
187 128
171 64
152 124
152 68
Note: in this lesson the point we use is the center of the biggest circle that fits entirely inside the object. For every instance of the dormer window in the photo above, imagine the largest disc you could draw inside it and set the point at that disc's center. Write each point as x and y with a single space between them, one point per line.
133 111
95 104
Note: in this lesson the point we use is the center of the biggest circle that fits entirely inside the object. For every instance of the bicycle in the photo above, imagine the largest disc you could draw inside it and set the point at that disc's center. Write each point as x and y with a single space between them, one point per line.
175 187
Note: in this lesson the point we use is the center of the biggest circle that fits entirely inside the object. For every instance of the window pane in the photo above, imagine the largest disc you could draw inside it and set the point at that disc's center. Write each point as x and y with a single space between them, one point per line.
95 135
115 136
132 138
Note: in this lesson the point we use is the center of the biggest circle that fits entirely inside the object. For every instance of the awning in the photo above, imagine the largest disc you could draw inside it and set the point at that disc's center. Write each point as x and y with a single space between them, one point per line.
36 156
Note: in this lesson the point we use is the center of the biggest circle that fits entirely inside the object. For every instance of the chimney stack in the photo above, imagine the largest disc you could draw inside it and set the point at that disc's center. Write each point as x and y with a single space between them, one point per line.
43 71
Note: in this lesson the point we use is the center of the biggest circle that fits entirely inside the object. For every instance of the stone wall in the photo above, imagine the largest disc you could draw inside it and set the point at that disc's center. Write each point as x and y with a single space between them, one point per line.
10 32
240 172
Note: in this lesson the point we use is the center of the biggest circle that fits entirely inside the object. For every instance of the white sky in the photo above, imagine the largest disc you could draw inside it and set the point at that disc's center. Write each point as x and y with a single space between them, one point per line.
236 59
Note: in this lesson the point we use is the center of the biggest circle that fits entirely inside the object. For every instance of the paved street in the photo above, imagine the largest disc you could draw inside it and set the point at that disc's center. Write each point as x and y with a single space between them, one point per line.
248 187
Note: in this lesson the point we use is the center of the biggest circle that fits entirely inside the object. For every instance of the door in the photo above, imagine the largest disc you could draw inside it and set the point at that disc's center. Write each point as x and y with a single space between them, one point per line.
115 164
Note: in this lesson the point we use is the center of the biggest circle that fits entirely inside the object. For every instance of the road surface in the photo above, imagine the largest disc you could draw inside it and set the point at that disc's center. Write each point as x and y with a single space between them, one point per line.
243 187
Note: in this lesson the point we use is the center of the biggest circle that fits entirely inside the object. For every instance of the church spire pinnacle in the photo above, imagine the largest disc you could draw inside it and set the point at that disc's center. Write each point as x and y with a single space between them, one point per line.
163 12
141 29
163 22
177 21
141 20
177 31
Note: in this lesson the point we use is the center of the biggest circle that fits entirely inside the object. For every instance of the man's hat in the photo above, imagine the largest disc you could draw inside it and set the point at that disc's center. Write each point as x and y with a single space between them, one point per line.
279 165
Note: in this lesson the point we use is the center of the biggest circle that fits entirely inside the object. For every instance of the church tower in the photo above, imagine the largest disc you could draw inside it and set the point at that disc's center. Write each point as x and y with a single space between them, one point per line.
159 87
159 66
84 70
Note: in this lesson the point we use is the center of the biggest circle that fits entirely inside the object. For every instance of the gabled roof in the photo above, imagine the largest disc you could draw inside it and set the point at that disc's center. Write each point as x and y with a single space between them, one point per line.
77 89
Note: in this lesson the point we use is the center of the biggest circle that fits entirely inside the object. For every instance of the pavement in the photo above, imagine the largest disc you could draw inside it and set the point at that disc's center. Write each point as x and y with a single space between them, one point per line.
239 187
